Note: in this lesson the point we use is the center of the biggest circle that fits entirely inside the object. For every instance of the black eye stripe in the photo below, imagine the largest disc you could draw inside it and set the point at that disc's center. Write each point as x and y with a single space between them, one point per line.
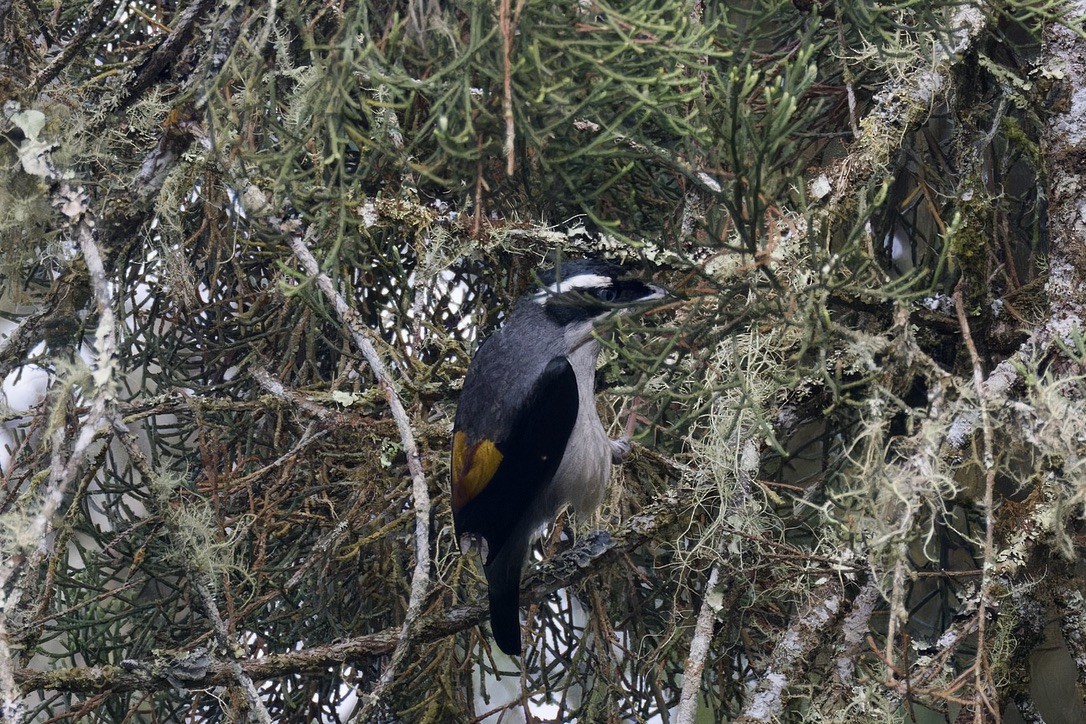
623 291
607 294
590 299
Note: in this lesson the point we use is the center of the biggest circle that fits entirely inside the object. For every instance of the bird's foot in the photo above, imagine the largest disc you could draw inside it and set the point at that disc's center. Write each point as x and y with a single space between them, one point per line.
620 449
591 546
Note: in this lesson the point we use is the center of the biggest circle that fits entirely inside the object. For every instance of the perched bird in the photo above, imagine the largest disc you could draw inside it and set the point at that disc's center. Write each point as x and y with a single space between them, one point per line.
527 439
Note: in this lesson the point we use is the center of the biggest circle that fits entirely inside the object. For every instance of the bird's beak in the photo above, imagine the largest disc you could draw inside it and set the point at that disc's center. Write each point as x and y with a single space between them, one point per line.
657 293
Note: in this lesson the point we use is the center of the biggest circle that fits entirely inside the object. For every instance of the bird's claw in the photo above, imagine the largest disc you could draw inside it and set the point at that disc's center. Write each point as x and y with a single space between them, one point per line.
620 449
591 547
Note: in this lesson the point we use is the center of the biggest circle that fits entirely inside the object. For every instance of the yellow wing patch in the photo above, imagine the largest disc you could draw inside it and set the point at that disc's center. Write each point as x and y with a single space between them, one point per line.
472 468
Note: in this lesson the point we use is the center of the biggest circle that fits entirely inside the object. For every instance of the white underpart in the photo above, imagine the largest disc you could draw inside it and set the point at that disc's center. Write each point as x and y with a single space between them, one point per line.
581 281
586 464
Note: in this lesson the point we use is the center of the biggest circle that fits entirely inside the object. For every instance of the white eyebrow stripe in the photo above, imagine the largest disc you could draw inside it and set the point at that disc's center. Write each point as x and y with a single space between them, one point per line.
581 281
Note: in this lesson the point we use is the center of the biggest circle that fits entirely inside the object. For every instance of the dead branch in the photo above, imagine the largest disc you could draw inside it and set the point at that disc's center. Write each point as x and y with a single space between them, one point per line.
795 651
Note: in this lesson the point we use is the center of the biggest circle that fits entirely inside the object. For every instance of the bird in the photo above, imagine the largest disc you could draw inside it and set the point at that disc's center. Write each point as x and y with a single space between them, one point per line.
527 439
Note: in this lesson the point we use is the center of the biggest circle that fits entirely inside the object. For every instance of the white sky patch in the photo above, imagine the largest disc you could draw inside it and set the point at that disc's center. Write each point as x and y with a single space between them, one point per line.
22 389
504 692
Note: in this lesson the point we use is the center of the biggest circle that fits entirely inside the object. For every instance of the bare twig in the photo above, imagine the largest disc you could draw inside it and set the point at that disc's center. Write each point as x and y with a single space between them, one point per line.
508 26
328 540
846 72
985 690
420 578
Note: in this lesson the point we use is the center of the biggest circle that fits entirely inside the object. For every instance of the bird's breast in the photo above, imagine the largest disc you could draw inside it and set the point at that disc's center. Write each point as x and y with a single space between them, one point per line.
586 463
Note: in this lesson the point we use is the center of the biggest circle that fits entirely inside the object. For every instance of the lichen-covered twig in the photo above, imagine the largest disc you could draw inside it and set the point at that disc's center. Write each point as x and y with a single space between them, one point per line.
72 47
165 53
1064 58
897 108
65 464
275 387
855 628
795 652
420 578
19 342
201 583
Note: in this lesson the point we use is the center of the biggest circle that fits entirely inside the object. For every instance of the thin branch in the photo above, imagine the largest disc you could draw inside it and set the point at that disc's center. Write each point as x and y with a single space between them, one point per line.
222 636
846 73
420 578
1072 620
508 27
916 680
1064 143
854 632
985 690
63 471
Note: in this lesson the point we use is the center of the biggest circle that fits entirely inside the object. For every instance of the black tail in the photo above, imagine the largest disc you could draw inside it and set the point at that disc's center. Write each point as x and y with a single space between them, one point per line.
503 579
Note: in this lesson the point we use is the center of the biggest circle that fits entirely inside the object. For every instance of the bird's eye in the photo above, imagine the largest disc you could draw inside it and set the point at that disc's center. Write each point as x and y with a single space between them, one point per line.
607 294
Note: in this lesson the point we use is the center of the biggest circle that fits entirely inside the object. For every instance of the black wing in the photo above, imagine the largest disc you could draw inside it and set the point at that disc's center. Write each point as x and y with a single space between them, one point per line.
492 494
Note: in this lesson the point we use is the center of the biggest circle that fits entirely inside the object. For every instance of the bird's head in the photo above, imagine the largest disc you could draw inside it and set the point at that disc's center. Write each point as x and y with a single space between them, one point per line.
588 291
